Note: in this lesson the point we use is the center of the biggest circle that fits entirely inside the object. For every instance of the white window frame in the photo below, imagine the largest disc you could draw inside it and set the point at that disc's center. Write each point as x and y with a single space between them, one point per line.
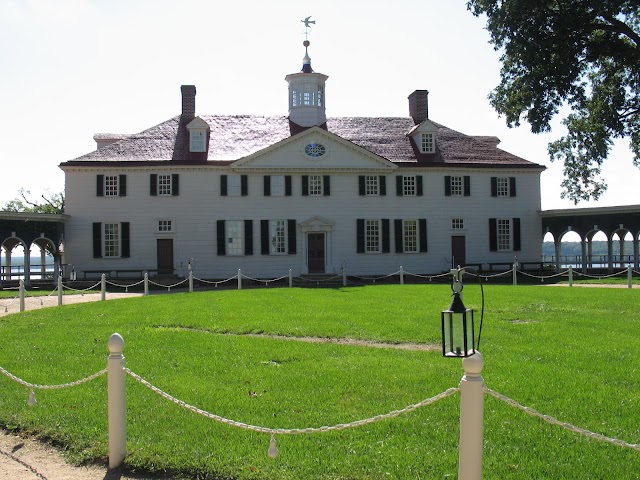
503 234
277 185
111 243
111 185
502 186
165 225
372 236
409 185
278 235
457 186
234 185
410 237
427 142
165 184
316 185
372 185
457 223
198 140
234 237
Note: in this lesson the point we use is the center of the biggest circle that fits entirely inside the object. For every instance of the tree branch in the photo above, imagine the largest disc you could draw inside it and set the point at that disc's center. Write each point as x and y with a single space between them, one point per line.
618 26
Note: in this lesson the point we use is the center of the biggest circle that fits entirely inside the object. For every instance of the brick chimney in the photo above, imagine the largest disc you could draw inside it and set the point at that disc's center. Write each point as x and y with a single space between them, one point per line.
188 101
419 106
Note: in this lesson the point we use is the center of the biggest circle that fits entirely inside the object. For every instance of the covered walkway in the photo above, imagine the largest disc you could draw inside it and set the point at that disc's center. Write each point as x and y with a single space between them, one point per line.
28 229
586 222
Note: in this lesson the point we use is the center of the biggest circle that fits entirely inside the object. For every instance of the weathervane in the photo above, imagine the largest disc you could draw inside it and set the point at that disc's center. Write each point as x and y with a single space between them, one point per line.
307 25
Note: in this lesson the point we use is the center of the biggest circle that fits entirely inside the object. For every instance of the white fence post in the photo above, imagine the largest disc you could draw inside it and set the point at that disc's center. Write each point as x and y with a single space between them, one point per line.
117 401
471 418
146 284
570 276
629 277
190 281
21 289
59 290
344 276
239 279
515 273
103 286
401 275
290 278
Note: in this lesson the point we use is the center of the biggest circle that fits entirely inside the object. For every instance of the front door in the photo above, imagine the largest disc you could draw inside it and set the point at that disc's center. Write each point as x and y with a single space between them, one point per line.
315 252
165 256
458 251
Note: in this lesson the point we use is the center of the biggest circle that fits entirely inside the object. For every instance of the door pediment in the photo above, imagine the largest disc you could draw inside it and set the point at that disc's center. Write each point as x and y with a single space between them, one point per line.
316 224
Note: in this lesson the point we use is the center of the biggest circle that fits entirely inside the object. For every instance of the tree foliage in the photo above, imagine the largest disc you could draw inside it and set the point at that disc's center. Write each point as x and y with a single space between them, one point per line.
580 53
51 203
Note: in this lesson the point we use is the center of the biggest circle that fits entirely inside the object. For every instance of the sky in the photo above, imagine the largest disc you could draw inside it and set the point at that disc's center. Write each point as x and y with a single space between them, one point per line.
73 68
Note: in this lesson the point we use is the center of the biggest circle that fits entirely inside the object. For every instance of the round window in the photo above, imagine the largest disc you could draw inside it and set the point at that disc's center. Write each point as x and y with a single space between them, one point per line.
315 150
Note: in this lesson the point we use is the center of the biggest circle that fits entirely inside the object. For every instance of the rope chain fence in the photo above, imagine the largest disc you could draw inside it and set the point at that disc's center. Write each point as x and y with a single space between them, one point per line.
555 421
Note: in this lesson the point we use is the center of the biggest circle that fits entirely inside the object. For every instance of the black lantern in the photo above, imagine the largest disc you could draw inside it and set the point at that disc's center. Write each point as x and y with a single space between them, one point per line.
457 324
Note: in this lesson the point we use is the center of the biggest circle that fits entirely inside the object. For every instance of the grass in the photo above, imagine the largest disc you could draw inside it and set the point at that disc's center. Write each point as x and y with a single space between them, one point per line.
569 353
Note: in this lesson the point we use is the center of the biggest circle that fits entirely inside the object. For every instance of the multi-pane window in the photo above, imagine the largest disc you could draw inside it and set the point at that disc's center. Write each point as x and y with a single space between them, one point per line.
456 186
164 184
315 185
372 235
502 187
372 185
278 235
111 239
504 234
235 237
198 141
408 185
234 185
457 223
427 144
111 185
277 186
410 235
165 226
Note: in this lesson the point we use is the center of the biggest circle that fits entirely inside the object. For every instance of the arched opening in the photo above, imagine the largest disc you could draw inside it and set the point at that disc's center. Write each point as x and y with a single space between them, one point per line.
42 261
13 259
570 254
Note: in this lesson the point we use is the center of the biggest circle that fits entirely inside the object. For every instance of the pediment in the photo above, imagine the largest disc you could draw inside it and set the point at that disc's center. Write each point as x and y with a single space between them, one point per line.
314 149
316 224
197 123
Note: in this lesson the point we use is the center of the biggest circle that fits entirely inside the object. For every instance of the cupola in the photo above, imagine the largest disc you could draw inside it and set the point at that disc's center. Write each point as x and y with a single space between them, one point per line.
306 94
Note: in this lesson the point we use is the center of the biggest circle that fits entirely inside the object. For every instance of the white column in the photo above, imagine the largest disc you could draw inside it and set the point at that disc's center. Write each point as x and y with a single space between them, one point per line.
116 401
471 418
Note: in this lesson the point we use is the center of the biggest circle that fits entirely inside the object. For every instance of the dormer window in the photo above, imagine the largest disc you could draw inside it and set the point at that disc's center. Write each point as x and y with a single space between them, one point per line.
427 143
198 134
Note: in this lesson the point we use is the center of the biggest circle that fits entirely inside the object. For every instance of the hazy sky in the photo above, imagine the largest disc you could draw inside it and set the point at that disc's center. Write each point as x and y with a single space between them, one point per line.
72 68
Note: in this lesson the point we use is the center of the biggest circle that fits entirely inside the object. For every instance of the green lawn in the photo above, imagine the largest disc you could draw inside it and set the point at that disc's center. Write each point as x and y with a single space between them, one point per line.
568 352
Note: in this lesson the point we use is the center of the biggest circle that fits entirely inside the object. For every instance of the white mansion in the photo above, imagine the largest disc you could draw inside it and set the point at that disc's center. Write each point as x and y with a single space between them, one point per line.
305 192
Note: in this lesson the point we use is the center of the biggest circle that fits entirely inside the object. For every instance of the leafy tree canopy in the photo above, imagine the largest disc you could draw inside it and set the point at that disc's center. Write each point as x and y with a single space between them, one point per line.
51 203
582 53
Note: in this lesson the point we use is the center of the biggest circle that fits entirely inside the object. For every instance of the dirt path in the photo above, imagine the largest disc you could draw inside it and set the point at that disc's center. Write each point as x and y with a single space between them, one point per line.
12 305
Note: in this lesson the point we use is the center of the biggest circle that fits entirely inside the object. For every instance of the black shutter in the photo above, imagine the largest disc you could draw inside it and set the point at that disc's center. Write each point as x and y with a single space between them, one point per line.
175 184
419 185
397 230
516 234
153 184
97 240
447 185
125 244
383 185
385 236
223 185
361 184
244 186
422 227
264 237
291 232
399 185
122 186
267 185
360 235
467 185
494 186
248 237
287 185
326 185
305 185
493 234
222 237
512 186
100 185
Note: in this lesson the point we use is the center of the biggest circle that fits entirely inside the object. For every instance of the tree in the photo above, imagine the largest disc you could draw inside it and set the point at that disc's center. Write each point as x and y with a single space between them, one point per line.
581 53
53 203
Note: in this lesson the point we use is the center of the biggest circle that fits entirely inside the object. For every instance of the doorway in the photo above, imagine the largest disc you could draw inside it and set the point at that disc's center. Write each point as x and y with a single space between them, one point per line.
458 251
165 256
315 252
